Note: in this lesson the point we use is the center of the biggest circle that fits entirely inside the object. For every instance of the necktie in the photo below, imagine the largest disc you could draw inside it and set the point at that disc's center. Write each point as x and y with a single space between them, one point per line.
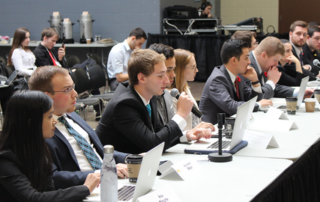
53 60
301 59
236 83
149 109
84 145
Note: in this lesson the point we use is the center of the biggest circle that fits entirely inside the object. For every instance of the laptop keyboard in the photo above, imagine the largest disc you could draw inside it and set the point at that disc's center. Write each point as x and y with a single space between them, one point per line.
215 145
125 193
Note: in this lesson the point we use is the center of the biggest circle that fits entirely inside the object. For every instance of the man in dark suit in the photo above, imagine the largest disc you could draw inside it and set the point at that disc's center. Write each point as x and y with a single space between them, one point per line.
45 53
130 121
264 60
71 164
226 88
298 37
164 101
310 49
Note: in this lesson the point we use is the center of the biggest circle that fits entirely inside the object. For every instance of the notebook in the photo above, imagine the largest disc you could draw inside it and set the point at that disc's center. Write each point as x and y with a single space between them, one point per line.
9 80
211 145
146 178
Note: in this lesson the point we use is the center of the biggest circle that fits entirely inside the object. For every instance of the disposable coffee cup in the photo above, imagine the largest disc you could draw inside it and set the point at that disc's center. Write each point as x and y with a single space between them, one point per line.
88 41
291 105
317 95
310 104
228 127
133 164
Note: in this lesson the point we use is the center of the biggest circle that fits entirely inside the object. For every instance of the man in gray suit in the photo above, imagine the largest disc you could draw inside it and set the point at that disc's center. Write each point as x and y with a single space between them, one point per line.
164 101
264 60
226 88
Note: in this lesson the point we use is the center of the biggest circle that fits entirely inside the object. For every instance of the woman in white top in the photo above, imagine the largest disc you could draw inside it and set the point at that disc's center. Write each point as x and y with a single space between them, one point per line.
186 69
21 57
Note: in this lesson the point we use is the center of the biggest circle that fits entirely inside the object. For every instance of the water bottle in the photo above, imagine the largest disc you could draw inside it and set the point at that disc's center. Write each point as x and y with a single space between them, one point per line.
109 177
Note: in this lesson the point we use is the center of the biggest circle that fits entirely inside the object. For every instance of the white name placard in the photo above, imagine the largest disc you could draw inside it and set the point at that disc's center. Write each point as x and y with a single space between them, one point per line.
162 195
184 168
260 140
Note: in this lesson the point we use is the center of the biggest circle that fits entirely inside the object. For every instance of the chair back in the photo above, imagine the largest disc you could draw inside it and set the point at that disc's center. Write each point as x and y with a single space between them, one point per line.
71 60
81 79
96 76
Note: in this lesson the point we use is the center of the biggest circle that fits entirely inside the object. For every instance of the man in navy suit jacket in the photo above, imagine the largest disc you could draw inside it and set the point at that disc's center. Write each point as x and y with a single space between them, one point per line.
70 164
221 94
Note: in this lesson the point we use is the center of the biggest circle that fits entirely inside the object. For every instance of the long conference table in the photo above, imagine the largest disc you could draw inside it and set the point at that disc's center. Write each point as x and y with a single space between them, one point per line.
290 172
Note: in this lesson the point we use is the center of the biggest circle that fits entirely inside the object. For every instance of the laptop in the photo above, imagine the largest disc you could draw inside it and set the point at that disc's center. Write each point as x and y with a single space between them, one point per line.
9 80
211 145
146 178
303 86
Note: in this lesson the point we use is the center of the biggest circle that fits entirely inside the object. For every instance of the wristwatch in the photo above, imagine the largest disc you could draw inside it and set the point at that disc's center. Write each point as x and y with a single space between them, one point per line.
254 83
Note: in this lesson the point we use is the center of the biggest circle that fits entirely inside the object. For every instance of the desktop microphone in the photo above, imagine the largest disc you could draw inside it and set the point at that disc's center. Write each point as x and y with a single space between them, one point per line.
316 62
175 93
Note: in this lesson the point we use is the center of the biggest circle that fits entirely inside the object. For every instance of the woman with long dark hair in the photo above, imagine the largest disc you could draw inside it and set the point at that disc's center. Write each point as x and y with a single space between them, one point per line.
20 56
25 161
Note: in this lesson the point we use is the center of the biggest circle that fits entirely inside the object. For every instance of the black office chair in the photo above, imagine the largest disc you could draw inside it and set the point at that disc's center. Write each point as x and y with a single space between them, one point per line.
3 61
71 60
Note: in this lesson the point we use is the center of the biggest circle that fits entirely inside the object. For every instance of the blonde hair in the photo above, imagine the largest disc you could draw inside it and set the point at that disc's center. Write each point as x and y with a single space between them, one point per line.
183 58
271 45
143 61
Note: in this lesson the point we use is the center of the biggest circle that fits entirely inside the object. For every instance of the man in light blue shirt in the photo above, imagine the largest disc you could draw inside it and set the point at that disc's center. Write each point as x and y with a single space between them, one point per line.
119 55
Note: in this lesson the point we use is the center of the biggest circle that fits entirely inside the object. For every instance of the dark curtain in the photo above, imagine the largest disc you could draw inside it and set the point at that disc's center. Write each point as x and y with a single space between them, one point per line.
205 47
299 182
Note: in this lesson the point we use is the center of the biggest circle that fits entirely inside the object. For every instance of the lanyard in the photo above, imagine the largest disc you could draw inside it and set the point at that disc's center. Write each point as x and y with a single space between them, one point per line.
52 58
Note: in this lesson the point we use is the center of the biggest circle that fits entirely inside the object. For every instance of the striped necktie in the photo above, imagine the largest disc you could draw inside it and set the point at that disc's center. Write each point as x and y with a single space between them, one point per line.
84 145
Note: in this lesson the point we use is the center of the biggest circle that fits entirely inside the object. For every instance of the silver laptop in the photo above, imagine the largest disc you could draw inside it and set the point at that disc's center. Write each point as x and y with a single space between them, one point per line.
9 80
146 177
303 86
211 145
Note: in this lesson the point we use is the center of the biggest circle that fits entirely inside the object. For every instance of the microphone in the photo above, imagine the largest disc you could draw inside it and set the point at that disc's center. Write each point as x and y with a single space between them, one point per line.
175 93
316 62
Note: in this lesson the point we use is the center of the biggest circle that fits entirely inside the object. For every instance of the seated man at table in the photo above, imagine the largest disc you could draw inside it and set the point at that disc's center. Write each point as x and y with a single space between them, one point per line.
248 37
75 147
45 53
119 55
130 121
226 88
310 49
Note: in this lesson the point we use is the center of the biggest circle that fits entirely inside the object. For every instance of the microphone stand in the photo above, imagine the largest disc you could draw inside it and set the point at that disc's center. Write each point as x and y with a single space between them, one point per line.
220 157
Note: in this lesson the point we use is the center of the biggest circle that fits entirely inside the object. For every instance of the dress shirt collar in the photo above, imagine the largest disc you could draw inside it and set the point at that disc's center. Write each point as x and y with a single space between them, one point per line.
298 50
56 117
258 65
232 76
143 100
126 45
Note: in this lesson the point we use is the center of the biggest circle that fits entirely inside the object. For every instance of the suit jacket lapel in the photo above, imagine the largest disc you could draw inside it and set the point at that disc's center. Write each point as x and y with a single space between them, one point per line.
233 92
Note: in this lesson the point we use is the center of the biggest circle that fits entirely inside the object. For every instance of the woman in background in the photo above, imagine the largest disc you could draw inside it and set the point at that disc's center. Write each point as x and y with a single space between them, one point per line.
205 10
186 70
25 160
20 56
290 67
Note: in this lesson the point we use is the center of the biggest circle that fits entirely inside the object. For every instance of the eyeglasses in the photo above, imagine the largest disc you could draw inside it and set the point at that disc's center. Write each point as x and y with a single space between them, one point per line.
68 90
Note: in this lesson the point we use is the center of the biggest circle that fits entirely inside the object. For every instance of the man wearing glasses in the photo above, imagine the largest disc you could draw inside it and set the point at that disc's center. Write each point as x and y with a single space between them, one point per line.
75 147
298 37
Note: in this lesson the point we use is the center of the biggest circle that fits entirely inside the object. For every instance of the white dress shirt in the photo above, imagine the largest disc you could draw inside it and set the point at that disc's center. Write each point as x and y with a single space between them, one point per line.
23 61
83 162
118 59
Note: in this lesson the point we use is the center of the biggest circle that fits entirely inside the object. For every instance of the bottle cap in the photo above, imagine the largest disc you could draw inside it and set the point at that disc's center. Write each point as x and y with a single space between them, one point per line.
108 149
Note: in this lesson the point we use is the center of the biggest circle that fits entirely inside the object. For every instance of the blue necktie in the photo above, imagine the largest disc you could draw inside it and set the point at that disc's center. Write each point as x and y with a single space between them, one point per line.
149 109
84 145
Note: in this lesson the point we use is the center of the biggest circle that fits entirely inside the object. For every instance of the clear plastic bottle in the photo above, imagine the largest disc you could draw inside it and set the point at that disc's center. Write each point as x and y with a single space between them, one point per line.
109 177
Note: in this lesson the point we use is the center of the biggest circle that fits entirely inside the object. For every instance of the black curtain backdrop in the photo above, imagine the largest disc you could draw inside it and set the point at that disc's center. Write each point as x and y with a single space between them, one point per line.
205 47
299 182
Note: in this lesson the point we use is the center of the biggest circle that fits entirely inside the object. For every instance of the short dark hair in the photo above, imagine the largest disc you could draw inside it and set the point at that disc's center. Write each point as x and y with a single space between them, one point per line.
49 32
232 48
313 24
204 5
138 33
167 51
298 23
41 78
313 29
245 36
142 61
